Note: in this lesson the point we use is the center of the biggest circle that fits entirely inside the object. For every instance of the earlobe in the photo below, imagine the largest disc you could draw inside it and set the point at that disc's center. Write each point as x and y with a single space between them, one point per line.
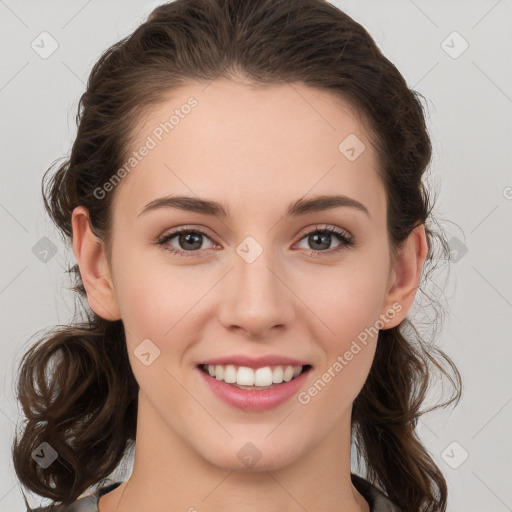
89 252
406 275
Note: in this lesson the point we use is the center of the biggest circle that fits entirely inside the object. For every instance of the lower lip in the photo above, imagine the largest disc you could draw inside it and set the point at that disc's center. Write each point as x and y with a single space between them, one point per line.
249 400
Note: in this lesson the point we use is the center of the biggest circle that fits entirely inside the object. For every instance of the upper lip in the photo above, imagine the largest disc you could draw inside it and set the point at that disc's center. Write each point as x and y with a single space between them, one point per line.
255 362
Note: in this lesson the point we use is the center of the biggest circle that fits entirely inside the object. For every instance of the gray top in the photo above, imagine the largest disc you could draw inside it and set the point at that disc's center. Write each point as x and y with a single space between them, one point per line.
377 501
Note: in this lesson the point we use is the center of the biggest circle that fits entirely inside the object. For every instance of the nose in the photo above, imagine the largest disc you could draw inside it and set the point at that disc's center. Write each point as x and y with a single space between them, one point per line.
256 297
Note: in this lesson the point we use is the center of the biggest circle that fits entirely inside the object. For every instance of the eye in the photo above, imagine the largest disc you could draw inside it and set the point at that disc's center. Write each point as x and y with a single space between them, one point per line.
190 240
319 238
187 238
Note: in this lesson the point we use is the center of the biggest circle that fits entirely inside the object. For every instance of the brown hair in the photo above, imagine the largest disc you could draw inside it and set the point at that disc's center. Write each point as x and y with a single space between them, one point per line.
76 385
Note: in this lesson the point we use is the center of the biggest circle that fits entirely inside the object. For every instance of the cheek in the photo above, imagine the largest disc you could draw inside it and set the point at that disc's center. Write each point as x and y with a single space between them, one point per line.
162 304
154 294
349 310
347 299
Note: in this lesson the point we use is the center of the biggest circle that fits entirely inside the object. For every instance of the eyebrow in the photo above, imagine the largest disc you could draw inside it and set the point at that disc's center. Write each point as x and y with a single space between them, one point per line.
214 208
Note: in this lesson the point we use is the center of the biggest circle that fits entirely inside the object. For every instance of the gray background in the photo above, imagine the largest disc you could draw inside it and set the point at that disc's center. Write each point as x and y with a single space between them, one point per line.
469 104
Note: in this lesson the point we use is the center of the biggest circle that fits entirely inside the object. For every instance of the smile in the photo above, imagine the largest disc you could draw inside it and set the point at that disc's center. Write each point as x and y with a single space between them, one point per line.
253 378
254 397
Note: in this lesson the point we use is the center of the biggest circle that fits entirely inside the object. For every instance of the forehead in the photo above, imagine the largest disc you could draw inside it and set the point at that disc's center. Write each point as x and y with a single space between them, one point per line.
257 147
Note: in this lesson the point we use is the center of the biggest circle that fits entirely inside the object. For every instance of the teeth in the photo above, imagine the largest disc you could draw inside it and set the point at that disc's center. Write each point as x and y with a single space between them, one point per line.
230 374
245 376
261 377
277 375
288 374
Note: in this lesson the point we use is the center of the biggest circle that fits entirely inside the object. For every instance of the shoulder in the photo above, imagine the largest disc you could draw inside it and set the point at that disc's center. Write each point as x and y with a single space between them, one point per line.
86 503
376 499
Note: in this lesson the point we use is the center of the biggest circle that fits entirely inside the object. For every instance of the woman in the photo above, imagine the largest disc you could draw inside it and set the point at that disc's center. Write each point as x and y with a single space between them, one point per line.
245 201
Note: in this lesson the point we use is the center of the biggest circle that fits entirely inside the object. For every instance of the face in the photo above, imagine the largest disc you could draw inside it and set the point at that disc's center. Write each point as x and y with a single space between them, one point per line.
258 281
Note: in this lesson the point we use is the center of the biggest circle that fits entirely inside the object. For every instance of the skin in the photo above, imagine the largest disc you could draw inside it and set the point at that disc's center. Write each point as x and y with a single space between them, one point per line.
256 150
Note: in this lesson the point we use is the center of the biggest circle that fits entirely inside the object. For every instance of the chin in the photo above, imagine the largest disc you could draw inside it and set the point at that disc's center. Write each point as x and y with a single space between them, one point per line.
245 456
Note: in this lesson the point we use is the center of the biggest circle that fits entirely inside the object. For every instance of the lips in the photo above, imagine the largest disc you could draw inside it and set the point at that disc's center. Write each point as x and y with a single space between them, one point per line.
255 396
255 362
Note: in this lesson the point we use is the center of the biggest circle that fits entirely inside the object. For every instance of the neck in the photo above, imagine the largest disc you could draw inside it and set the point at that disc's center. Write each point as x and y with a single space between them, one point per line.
169 475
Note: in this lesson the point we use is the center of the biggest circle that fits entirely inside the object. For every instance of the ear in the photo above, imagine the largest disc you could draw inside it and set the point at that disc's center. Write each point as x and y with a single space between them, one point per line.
90 254
405 275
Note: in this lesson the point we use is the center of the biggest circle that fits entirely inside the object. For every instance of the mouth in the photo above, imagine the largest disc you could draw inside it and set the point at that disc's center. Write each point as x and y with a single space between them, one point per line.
254 379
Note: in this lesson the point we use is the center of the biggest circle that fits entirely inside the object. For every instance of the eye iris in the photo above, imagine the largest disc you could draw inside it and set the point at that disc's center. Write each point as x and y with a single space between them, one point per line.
184 238
315 237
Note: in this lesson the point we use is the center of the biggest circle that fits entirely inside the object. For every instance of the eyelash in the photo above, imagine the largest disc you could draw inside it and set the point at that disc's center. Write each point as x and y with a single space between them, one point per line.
346 241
